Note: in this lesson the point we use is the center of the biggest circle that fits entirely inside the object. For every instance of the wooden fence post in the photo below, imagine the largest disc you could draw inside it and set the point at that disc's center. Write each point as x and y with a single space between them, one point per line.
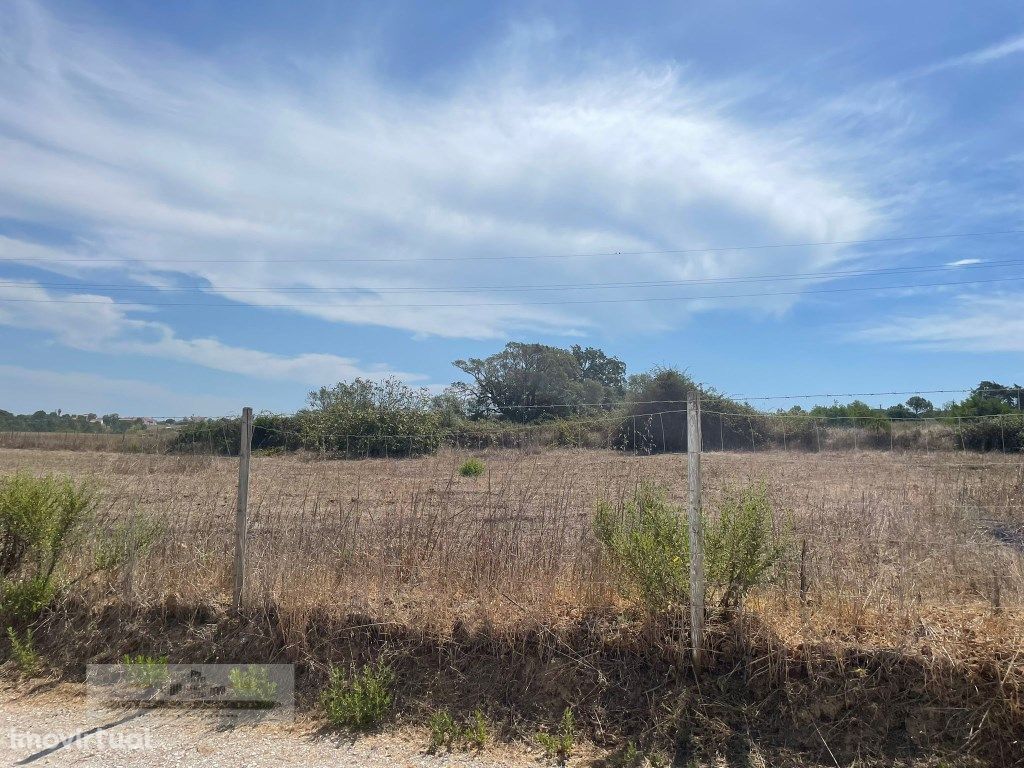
242 510
696 528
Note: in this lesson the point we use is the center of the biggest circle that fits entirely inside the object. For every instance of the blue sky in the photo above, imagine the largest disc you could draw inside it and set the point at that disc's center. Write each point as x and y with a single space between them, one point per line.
171 174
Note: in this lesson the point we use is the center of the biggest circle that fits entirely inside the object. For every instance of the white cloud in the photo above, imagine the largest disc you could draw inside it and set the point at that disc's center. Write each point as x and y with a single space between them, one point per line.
94 323
963 262
155 155
25 390
972 324
990 53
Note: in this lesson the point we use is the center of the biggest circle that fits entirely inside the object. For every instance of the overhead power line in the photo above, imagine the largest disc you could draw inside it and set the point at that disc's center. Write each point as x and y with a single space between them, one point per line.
453 305
836 274
407 259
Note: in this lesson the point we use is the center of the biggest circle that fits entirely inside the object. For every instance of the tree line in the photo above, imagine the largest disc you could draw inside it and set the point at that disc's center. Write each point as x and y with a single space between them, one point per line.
58 421
544 395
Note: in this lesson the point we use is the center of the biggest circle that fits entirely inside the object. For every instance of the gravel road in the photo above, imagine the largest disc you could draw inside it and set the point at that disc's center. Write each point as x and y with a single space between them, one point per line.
32 724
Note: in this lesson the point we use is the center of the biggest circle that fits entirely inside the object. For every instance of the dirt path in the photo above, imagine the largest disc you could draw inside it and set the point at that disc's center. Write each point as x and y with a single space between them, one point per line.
31 725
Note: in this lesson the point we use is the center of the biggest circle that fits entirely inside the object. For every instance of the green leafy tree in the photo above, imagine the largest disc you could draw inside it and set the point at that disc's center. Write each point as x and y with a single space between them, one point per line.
919 405
529 382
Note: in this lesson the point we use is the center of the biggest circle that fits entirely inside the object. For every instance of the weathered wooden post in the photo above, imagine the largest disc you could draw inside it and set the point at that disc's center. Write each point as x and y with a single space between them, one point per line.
696 528
242 510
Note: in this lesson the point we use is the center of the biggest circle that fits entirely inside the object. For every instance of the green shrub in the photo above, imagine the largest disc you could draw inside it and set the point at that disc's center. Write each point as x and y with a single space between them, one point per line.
145 671
361 700
39 517
444 731
371 418
560 743
1002 433
23 600
252 685
23 651
655 417
472 468
628 756
741 546
478 730
270 433
648 542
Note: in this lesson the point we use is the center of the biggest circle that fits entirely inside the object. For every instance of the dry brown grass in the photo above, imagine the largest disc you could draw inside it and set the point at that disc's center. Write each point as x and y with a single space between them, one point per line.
905 554
889 534
149 441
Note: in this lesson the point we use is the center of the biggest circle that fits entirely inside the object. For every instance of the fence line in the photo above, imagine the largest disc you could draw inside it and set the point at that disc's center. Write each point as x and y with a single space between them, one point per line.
697 574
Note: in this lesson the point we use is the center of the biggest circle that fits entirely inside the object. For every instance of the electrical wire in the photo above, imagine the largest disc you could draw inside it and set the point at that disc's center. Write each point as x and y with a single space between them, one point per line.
673 251
507 288
453 305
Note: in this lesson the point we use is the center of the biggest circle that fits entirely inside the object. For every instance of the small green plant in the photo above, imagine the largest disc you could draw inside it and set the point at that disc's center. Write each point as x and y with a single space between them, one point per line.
252 685
478 731
23 651
444 731
560 743
627 757
144 671
360 700
472 467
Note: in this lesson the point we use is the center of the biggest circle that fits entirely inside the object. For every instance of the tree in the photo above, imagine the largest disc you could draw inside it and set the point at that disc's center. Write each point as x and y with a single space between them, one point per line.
595 365
991 390
900 411
528 382
919 405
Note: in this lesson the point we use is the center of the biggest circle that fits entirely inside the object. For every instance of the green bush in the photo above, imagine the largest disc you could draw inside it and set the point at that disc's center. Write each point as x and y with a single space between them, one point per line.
477 730
369 418
560 743
24 653
252 685
472 468
648 541
741 546
444 731
358 701
21 600
145 671
223 436
655 417
1002 433
39 517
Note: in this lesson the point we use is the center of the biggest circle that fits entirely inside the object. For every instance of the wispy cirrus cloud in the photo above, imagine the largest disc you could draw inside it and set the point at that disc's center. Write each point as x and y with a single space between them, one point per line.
1011 46
971 323
157 156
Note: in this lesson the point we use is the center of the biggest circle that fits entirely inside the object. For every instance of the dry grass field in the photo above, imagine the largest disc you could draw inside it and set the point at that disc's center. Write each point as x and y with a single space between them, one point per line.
893 536
913 565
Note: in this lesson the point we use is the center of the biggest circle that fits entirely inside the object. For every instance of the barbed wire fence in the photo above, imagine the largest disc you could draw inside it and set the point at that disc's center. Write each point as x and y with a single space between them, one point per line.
885 516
